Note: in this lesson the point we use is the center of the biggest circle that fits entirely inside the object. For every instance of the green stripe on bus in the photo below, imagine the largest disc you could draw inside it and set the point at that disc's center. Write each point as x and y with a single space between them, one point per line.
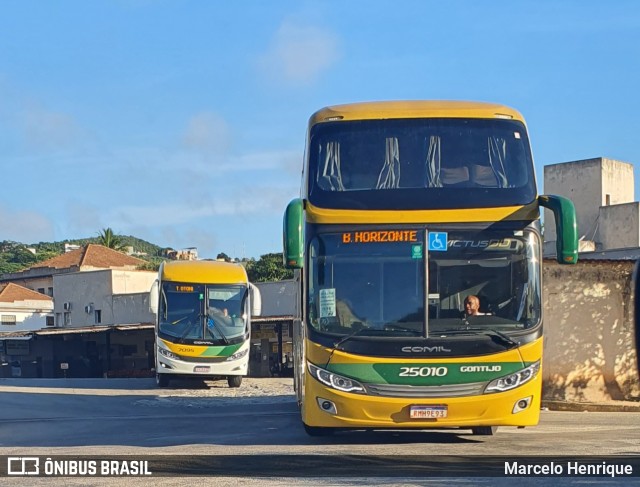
224 351
421 374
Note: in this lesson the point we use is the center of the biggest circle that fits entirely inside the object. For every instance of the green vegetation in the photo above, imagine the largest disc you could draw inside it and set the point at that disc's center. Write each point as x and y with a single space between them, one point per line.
270 267
110 240
15 256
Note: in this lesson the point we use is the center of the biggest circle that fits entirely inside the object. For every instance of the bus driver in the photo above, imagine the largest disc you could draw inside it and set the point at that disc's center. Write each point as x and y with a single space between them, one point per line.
472 306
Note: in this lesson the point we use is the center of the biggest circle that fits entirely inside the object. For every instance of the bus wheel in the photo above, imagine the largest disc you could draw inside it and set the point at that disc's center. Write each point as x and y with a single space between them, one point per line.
162 380
317 430
484 430
234 380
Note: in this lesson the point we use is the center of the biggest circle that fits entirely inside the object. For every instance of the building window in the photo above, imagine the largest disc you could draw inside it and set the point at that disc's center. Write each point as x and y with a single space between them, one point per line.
50 321
98 315
607 199
8 319
67 319
50 291
58 319
41 290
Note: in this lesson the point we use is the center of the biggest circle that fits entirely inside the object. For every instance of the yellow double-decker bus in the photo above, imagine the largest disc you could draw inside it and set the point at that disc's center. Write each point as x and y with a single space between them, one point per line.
203 321
418 242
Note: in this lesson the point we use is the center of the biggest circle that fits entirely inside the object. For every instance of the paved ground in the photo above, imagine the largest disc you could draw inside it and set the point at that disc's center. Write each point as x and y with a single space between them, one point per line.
257 425
251 387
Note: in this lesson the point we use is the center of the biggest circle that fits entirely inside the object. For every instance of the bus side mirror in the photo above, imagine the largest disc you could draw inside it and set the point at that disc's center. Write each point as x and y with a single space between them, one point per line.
566 227
293 242
256 300
153 297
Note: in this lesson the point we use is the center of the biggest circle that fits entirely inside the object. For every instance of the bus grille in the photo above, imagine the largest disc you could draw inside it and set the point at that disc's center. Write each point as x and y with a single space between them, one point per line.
450 390
202 360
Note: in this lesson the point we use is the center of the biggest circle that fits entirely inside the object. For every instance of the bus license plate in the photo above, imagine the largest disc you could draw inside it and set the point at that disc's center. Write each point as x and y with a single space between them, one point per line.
427 412
201 369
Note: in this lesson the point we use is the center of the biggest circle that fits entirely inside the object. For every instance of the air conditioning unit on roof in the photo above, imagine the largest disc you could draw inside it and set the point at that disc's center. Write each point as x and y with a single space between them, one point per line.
67 306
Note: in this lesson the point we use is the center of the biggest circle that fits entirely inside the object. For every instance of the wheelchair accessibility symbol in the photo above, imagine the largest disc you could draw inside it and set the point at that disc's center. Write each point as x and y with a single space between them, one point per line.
438 241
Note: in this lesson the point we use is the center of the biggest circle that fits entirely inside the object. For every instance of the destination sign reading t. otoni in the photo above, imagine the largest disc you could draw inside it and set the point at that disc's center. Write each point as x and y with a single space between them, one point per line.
373 236
184 289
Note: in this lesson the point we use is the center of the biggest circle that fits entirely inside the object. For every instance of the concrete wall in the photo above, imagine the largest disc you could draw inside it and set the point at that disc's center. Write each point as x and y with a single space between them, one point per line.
592 184
128 282
105 291
589 348
617 182
619 226
132 309
579 181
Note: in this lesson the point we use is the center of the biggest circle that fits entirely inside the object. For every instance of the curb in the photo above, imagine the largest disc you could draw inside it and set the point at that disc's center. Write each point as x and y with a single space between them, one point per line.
619 407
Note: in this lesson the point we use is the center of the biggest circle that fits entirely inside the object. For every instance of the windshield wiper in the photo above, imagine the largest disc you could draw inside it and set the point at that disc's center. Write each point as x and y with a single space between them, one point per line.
396 327
347 337
486 331
210 325
188 329
344 339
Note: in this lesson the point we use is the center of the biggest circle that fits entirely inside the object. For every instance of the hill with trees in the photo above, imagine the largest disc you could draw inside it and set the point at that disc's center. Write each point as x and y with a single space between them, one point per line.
16 256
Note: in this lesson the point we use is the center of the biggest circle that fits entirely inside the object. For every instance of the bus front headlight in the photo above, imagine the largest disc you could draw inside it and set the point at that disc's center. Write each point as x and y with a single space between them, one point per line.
514 380
237 355
168 354
335 381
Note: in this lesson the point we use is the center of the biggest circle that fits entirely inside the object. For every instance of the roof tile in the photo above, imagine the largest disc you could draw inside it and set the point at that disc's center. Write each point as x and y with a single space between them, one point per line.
11 293
91 255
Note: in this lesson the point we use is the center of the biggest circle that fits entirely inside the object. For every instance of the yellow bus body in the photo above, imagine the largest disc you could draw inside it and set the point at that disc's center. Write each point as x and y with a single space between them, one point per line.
204 272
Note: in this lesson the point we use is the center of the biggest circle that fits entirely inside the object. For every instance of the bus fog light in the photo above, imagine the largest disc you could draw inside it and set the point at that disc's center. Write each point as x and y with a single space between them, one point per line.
522 404
326 405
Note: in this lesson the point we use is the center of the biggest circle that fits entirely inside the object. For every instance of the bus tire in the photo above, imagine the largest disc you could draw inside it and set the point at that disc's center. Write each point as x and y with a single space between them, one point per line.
162 380
317 430
234 380
484 430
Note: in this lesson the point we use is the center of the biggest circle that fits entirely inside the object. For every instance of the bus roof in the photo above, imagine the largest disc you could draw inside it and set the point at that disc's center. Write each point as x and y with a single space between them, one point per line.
204 272
414 109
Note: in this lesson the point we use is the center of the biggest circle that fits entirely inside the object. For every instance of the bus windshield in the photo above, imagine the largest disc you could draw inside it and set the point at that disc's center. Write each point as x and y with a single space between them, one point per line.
379 287
420 163
198 312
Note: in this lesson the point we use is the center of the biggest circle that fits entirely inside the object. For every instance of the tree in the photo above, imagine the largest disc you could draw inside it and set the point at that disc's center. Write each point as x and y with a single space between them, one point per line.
110 240
223 256
268 268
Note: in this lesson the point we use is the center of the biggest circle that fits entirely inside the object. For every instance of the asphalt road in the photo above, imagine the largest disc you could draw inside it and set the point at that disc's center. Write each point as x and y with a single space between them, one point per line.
255 438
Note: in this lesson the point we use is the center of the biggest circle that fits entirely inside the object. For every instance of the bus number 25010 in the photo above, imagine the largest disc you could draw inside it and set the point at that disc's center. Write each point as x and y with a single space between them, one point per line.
423 371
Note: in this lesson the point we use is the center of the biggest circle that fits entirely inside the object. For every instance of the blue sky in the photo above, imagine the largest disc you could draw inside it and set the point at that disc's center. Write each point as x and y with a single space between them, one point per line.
183 122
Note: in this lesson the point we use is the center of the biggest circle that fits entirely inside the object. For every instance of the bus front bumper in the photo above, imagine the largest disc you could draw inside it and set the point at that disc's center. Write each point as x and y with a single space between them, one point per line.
327 407
166 365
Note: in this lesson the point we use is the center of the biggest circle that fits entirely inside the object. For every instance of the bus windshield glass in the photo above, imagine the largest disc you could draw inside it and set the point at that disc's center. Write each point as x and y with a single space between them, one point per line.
420 163
377 283
197 312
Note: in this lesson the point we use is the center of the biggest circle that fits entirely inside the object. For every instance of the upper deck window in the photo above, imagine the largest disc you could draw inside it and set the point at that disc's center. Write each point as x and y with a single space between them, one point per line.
420 164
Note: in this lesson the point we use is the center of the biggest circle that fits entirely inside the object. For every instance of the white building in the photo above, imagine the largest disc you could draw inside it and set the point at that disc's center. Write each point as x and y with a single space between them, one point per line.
22 309
602 191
